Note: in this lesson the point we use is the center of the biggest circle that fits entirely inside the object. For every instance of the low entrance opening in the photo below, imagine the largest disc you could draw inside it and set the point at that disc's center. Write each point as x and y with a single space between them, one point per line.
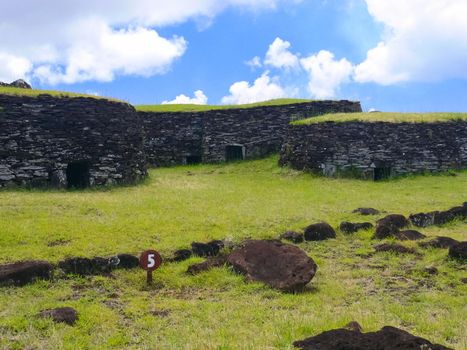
191 160
77 174
382 173
234 152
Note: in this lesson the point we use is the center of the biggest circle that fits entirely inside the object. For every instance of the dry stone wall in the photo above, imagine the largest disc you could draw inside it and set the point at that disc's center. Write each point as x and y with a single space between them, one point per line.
63 141
376 150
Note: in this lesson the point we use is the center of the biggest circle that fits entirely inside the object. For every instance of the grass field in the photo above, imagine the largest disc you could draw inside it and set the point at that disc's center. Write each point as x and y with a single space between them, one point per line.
5 90
389 117
217 309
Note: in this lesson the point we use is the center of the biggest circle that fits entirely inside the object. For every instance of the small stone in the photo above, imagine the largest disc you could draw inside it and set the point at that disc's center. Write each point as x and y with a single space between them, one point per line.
292 236
394 248
431 270
181 255
366 211
66 315
210 263
354 326
459 251
207 249
348 227
127 261
439 242
409 235
319 232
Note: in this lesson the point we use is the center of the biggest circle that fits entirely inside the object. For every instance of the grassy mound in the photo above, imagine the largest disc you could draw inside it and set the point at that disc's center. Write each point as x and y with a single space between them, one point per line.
203 108
388 117
5 90
217 309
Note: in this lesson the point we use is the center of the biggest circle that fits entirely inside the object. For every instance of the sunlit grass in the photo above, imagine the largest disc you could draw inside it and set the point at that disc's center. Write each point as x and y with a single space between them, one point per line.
5 90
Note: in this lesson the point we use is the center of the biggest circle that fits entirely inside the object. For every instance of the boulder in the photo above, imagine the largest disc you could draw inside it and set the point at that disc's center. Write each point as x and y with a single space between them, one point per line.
409 235
282 266
394 248
319 232
211 262
390 225
86 266
66 315
439 242
181 255
207 249
387 338
127 261
21 273
292 236
349 227
20 83
423 219
366 211
439 217
459 251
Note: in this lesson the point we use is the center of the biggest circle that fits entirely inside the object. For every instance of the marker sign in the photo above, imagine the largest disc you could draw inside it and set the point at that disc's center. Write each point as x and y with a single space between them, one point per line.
150 260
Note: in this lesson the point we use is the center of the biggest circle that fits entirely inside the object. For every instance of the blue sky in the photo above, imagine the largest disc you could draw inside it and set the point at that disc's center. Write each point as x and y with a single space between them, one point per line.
398 55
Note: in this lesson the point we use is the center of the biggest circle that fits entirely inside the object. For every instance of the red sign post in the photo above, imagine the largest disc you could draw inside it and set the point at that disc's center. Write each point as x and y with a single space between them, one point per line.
150 260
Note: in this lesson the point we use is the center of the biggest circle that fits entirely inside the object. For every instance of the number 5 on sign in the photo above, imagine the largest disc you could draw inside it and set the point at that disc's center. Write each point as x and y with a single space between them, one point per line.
150 260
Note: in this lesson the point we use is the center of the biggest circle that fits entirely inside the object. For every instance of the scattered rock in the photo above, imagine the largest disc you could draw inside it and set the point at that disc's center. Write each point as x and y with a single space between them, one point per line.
181 255
211 262
464 280
292 236
207 249
431 270
439 242
409 235
390 225
459 251
387 338
366 211
319 232
394 248
384 231
21 273
160 313
348 227
58 242
66 315
423 219
439 217
353 326
85 266
282 266
127 261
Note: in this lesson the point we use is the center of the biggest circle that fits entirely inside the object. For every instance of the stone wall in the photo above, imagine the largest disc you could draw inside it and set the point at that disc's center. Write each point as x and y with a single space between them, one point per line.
44 140
175 138
376 150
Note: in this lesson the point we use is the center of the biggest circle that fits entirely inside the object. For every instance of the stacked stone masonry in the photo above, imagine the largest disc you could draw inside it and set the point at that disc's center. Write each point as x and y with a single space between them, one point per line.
182 137
376 150
47 141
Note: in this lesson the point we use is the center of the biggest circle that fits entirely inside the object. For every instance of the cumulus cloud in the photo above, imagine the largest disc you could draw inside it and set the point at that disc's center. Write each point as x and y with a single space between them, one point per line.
199 99
326 74
424 40
255 62
264 88
67 41
279 55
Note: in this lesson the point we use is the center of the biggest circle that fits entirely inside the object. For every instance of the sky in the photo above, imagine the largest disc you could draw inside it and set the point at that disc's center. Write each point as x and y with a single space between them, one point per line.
392 55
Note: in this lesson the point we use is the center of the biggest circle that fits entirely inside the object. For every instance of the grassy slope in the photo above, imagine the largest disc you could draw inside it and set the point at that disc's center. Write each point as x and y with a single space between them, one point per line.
385 117
201 108
34 93
217 310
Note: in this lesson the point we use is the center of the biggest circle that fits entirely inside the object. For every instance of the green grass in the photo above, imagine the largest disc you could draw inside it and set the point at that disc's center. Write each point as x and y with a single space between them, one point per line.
217 309
202 108
388 117
5 90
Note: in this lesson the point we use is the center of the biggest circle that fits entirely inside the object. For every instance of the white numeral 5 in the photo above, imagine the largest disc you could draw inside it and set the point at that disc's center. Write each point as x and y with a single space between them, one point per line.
151 261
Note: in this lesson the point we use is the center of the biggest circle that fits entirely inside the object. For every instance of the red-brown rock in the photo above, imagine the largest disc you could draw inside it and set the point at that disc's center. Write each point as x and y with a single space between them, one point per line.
21 273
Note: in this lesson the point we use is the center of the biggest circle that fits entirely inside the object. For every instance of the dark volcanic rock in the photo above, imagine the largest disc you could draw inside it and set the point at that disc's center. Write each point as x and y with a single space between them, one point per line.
394 248
181 255
390 225
383 231
207 249
423 219
20 83
409 235
366 211
319 232
439 242
459 251
66 315
21 273
439 217
349 227
211 262
292 236
387 338
353 326
282 266
127 261
85 266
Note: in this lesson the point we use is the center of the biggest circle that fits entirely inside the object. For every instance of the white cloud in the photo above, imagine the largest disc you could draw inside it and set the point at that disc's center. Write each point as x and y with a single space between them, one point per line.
199 99
255 62
70 41
279 56
264 88
325 73
425 40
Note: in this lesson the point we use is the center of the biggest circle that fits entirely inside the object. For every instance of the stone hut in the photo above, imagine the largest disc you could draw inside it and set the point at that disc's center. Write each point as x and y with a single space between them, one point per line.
69 142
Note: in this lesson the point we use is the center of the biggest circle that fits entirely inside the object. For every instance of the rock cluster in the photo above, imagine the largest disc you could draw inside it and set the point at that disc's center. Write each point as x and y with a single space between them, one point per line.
439 217
20 83
21 273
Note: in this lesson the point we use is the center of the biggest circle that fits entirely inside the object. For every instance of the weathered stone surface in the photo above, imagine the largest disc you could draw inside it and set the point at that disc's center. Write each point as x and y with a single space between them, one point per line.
216 261
439 242
86 266
369 149
422 219
127 261
459 251
366 211
409 235
182 254
349 227
439 217
292 236
207 249
66 315
387 338
394 248
353 326
390 225
319 232
282 266
21 273
20 83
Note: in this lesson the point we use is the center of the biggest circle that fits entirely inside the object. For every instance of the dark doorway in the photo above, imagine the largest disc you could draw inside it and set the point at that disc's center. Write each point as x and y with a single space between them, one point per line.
233 153
382 173
191 160
77 174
